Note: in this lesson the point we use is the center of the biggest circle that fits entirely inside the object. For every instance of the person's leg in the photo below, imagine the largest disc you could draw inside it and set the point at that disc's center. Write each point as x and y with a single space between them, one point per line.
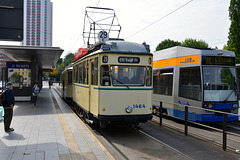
7 119
34 100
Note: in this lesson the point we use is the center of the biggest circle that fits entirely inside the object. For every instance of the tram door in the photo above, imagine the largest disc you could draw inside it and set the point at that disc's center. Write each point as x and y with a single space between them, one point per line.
93 91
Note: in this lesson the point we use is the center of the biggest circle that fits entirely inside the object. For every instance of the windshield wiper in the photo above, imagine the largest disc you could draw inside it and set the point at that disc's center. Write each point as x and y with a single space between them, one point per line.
121 82
228 96
234 90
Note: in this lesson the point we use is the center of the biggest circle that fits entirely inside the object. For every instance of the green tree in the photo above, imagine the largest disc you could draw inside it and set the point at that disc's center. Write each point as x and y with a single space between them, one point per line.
63 63
68 59
233 43
59 61
189 42
167 43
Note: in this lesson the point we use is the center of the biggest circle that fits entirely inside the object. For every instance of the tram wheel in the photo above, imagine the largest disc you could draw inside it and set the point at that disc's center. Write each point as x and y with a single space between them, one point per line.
103 124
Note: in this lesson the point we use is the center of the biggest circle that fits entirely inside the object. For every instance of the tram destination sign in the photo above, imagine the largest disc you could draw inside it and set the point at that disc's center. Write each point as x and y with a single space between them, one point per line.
128 59
218 60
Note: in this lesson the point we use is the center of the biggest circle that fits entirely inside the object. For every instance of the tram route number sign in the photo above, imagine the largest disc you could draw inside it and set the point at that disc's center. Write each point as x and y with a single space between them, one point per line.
103 36
128 59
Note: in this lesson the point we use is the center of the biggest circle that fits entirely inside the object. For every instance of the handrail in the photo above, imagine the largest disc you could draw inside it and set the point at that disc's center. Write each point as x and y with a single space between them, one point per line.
216 111
186 107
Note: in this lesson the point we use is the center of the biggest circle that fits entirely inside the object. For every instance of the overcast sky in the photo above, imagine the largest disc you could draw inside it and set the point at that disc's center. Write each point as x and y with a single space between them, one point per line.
207 20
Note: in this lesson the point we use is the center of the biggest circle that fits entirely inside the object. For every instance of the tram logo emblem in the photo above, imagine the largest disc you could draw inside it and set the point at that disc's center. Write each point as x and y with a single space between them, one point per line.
188 60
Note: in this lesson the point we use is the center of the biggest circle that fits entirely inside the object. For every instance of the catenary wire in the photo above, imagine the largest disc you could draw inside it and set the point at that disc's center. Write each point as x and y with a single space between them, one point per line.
160 19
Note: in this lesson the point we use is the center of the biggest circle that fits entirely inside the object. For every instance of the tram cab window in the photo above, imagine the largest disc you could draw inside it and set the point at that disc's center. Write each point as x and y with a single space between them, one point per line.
190 83
128 75
105 76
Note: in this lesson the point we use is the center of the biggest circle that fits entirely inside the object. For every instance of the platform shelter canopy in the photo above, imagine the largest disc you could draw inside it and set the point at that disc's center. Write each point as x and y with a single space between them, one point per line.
45 56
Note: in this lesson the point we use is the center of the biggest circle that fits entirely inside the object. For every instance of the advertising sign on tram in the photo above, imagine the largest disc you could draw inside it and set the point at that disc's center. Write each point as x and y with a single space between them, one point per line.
80 52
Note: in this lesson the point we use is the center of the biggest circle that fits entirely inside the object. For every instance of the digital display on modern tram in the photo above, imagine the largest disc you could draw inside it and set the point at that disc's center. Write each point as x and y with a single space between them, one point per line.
218 60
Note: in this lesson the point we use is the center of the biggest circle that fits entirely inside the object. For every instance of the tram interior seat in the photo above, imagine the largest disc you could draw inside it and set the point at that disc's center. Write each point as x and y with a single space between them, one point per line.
219 87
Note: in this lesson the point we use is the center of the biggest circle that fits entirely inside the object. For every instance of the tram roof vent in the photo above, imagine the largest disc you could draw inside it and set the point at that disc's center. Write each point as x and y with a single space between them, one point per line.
114 45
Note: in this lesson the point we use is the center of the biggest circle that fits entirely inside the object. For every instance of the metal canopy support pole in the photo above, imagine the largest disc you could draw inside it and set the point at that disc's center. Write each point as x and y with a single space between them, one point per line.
33 76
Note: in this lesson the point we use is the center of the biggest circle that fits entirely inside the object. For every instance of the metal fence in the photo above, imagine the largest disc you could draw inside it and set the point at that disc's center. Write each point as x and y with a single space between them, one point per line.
186 121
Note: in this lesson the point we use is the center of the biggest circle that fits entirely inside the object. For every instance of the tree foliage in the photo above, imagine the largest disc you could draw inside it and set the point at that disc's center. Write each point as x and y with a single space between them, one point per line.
188 42
68 59
63 63
233 43
167 43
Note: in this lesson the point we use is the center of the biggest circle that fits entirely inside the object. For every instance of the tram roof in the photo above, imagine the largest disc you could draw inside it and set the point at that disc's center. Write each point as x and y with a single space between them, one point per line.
45 56
121 46
179 51
69 67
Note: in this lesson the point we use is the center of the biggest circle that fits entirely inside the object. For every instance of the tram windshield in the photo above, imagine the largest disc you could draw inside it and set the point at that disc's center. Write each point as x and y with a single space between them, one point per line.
219 84
128 75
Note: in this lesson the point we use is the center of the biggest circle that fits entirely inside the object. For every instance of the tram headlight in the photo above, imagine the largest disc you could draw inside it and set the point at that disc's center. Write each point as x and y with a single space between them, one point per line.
208 106
128 109
235 106
149 60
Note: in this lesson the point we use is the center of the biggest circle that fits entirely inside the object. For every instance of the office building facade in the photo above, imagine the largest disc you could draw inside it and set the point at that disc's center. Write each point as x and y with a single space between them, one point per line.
37 23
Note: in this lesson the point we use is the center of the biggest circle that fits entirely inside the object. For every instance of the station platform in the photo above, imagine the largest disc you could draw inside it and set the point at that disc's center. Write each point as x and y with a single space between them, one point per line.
50 131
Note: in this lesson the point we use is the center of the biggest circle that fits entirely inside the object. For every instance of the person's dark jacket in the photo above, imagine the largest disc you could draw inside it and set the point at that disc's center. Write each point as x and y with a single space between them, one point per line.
9 98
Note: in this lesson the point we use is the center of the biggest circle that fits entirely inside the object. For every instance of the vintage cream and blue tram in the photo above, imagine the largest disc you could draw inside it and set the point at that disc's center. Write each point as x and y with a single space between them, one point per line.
112 82
203 78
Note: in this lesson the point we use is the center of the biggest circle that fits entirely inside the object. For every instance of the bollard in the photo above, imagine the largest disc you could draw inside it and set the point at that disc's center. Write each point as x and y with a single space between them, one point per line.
224 132
160 116
186 120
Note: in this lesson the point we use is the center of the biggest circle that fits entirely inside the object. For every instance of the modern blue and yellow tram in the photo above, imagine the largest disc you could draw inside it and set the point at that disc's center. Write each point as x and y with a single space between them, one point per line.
202 78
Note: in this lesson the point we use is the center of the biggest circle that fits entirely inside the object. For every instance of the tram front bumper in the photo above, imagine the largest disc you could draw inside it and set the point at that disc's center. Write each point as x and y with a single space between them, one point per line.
125 118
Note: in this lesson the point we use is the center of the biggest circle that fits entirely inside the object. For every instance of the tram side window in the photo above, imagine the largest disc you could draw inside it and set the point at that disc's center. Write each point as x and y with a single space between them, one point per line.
163 82
76 74
70 77
94 71
149 76
81 73
85 72
105 76
190 83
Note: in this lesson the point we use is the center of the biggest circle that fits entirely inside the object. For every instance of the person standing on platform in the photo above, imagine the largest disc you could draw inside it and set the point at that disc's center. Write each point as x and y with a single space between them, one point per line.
8 103
50 83
35 93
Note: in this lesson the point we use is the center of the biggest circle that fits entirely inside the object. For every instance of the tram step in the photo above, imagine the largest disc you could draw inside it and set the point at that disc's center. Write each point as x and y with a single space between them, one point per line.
89 121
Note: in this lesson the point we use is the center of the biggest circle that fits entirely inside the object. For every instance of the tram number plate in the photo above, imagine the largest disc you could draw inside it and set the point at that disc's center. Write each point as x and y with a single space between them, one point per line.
128 59
139 106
